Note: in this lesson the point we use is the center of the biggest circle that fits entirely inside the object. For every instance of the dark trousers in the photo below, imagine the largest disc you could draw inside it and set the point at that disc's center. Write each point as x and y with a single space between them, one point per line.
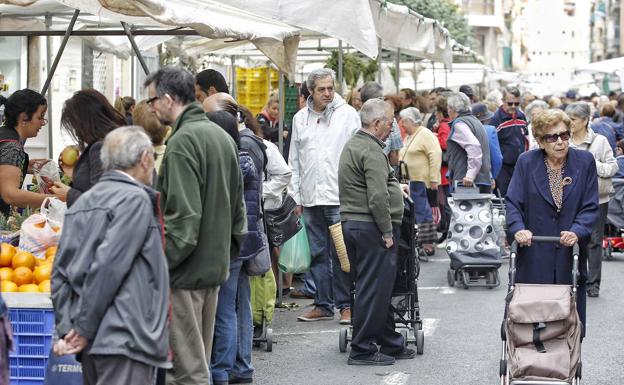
594 257
374 269
504 178
106 370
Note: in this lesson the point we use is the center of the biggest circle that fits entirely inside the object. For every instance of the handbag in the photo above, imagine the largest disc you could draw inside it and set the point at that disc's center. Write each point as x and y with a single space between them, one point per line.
282 223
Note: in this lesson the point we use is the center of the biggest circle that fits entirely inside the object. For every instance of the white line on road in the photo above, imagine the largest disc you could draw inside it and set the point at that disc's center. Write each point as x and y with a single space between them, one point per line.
445 260
395 378
442 289
429 326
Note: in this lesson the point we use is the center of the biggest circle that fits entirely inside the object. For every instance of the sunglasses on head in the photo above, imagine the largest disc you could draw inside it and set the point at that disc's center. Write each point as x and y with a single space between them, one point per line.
512 104
552 138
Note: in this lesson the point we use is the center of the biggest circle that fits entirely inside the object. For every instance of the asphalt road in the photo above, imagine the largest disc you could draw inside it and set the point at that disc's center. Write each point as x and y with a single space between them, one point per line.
462 343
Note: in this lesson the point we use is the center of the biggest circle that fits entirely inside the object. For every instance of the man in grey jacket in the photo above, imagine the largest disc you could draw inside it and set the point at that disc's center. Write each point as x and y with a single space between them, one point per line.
110 284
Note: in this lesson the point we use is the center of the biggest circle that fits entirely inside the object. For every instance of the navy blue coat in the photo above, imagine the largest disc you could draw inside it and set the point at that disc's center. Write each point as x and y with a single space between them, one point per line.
530 206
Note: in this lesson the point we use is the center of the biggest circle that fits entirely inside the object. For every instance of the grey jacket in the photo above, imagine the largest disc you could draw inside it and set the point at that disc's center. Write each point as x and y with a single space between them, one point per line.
110 280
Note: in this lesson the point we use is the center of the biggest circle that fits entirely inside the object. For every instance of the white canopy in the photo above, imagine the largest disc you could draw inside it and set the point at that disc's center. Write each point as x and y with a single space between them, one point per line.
210 18
610 66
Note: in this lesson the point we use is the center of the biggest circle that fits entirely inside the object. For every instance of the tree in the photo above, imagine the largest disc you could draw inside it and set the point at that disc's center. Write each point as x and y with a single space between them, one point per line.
353 67
446 13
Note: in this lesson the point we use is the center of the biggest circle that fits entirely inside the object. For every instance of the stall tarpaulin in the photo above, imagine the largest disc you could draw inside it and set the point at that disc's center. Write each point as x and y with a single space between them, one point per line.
210 18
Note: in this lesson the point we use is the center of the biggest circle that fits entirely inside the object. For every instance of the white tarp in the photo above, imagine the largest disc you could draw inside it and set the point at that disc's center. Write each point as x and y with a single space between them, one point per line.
348 20
610 66
398 27
212 19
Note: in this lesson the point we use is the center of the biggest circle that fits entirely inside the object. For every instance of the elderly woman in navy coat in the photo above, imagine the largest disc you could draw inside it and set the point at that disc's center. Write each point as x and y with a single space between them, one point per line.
553 192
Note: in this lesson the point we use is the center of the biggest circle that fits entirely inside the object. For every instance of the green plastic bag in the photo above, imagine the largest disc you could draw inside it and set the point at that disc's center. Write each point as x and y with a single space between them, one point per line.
263 291
295 253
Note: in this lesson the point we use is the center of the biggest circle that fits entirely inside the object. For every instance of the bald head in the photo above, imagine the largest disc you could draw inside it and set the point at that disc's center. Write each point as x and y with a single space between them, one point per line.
221 102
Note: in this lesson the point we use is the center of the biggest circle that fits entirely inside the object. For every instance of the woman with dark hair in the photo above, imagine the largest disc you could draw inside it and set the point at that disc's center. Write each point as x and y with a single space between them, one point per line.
87 117
24 115
125 106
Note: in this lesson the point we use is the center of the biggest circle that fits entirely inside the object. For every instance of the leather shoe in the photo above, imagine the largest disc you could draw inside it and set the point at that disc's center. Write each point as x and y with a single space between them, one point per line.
375 359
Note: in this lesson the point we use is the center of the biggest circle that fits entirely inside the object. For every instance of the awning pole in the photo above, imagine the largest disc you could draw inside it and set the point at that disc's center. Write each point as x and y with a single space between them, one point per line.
57 59
398 72
445 77
433 72
233 89
340 64
280 135
379 60
135 47
48 23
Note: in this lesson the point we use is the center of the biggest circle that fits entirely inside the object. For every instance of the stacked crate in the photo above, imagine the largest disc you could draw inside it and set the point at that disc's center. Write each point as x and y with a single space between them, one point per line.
253 86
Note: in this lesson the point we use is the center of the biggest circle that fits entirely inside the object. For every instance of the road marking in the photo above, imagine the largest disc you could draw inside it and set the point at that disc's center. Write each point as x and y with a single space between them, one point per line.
395 378
442 289
445 260
429 326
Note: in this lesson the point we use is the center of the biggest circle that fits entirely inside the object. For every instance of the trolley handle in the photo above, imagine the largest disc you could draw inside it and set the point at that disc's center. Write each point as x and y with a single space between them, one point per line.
538 238
545 239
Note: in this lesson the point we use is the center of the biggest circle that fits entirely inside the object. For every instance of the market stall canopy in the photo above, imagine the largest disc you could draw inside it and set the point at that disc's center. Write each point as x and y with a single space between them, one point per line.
211 19
610 66
400 28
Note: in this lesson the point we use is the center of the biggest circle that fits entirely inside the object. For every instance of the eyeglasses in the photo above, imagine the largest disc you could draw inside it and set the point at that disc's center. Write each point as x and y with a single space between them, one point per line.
513 104
152 100
552 138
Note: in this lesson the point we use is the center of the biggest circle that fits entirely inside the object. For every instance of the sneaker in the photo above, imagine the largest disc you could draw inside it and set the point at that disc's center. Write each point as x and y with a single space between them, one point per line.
316 314
299 294
406 354
376 359
345 316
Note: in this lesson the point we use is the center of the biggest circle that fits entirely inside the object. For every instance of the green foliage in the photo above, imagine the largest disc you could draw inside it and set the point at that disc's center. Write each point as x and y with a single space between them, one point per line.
446 13
353 66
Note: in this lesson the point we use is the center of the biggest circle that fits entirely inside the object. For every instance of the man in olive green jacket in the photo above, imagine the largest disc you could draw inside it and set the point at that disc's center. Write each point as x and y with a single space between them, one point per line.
204 214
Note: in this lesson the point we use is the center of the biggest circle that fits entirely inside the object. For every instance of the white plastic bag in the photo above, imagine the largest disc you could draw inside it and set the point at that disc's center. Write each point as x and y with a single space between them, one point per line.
46 176
41 231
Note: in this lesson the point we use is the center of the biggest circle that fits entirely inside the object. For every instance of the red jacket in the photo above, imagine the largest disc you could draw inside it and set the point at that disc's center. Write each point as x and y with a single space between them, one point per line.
442 132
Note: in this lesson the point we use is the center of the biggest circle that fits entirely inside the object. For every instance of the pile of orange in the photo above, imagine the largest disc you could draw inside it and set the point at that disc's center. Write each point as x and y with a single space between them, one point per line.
20 271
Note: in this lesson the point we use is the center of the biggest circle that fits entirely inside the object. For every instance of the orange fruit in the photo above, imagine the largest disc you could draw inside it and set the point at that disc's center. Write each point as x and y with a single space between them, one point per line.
23 259
42 272
22 276
50 252
8 286
28 288
7 251
44 286
6 274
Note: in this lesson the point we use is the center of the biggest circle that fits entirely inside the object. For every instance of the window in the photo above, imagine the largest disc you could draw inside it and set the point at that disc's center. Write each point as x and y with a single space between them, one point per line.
572 32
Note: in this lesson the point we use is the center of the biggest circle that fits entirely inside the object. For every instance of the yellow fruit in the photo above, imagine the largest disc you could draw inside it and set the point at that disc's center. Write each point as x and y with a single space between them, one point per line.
6 274
8 286
22 276
7 251
28 288
23 259
50 252
43 272
69 156
44 286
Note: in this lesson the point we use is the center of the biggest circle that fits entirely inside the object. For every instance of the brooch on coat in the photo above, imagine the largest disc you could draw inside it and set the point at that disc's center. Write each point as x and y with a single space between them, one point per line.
566 181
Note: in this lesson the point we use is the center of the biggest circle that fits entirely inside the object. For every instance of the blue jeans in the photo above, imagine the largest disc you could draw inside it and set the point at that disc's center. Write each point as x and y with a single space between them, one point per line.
332 284
422 210
309 287
233 334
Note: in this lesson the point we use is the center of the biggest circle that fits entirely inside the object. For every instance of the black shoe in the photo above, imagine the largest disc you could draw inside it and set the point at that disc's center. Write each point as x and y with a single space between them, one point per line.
406 354
239 380
375 359
593 292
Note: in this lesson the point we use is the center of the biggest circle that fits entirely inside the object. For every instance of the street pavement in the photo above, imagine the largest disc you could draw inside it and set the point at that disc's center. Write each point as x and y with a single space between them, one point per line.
462 343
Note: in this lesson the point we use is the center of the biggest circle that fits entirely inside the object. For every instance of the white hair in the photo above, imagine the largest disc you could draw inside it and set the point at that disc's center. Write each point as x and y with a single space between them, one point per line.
494 96
123 148
459 102
528 110
374 109
412 114
319 74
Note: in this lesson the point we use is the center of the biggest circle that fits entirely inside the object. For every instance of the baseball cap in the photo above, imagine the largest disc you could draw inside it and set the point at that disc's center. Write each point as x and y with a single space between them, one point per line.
481 112
571 94
466 90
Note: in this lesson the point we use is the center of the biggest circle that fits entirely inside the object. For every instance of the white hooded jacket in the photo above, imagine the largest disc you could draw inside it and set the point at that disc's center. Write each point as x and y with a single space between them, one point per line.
316 144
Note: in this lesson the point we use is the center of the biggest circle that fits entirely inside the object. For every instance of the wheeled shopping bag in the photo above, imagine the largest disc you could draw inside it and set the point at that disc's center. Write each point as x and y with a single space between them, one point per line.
472 241
541 331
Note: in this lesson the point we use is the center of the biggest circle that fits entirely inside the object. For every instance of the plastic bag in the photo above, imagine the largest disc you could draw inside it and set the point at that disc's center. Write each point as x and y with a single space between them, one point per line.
295 254
54 210
63 370
39 231
46 175
263 290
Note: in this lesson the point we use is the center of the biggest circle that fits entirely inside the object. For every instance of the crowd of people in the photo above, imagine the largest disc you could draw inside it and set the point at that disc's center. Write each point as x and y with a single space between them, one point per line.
164 228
